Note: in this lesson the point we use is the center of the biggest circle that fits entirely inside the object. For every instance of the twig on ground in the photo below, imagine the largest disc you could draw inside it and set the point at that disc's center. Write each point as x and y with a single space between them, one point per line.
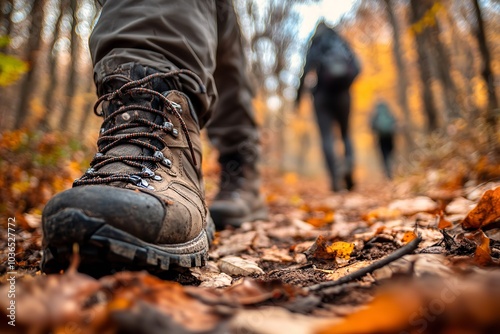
406 249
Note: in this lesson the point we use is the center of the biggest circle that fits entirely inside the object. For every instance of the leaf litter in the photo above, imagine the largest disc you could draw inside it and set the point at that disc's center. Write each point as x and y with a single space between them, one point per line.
322 263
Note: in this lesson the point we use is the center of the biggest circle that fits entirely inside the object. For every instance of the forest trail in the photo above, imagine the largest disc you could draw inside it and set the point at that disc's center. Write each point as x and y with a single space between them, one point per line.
276 276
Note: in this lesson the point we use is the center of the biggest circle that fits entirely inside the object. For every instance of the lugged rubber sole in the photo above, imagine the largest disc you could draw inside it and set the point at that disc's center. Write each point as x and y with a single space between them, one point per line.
221 219
104 249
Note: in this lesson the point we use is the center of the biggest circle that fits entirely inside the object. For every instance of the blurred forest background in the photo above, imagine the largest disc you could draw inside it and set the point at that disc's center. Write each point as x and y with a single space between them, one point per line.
435 62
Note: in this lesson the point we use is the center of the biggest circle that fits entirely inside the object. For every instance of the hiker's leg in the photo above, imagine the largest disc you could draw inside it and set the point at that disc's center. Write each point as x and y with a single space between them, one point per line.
387 146
233 129
164 35
141 205
343 114
324 119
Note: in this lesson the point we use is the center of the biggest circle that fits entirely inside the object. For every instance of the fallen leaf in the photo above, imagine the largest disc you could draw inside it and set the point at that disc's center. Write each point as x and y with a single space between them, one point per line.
443 223
409 236
236 266
482 255
275 254
411 206
341 249
335 274
459 205
382 214
486 212
210 276
338 250
320 218
250 291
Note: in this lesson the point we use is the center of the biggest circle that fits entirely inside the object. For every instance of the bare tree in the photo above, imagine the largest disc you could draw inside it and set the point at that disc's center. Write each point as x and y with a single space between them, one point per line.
418 10
397 51
486 71
34 41
52 74
71 86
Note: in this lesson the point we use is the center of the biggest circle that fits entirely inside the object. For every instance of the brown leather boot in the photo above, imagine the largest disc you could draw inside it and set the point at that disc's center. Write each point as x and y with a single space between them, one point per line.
239 199
141 204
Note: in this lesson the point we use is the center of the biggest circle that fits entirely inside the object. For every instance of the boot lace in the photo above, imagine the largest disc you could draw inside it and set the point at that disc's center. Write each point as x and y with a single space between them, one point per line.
153 142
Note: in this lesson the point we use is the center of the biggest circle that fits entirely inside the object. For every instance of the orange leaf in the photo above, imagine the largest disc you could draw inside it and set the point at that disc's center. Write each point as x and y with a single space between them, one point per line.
321 219
486 212
409 236
482 255
341 249
443 223
387 313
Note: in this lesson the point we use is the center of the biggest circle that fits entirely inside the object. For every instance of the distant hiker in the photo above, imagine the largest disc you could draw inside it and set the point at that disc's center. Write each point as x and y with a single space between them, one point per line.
336 67
383 124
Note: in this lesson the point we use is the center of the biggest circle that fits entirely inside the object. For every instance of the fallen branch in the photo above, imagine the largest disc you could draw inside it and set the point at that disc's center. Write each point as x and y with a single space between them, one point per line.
406 249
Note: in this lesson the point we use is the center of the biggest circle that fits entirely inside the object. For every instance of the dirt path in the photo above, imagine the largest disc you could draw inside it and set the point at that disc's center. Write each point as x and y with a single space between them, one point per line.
288 274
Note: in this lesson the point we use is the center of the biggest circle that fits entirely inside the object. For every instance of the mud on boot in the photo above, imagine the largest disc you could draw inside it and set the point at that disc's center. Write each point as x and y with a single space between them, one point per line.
141 204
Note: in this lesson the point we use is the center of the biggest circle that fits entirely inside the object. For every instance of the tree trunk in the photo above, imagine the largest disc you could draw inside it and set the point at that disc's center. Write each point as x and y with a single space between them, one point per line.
443 70
486 71
90 97
6 9
29 83
68 109
402 75
52 74
424 63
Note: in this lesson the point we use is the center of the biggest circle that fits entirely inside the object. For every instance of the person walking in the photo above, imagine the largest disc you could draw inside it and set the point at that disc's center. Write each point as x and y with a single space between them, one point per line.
336 67
163 70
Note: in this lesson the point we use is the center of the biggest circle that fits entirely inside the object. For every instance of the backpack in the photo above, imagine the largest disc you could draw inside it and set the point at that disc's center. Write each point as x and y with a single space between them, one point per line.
338 67
383 122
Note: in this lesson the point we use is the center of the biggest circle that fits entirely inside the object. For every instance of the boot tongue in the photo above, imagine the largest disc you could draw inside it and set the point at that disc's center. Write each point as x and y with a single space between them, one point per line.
130 116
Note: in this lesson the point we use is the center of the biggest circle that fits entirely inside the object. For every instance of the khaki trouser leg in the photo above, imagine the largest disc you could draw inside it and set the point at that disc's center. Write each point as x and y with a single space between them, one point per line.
165 35
232 128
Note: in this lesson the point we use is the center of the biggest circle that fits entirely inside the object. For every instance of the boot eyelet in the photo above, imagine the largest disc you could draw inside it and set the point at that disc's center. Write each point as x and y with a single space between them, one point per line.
138 181
175 132
168 126
176 106
158 155
157 177
148 172
90 171
98 155
167 163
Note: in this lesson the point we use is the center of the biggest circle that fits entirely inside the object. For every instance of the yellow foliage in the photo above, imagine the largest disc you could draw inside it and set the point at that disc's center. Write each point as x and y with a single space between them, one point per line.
341 249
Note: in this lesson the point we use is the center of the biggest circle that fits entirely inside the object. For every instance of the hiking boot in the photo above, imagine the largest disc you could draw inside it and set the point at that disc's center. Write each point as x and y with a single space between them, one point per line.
141 204
239 199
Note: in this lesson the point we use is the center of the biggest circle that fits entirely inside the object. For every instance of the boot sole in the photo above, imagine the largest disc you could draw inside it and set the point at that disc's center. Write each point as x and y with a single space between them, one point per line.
104 249
221 220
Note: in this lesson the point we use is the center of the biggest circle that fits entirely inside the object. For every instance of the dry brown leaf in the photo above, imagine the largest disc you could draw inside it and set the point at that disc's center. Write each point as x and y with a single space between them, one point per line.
344 271
443 223
482 255
275 254
50 301
251 291
486 212
414 205
381 213
385 314
320 218
321 250
428 305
